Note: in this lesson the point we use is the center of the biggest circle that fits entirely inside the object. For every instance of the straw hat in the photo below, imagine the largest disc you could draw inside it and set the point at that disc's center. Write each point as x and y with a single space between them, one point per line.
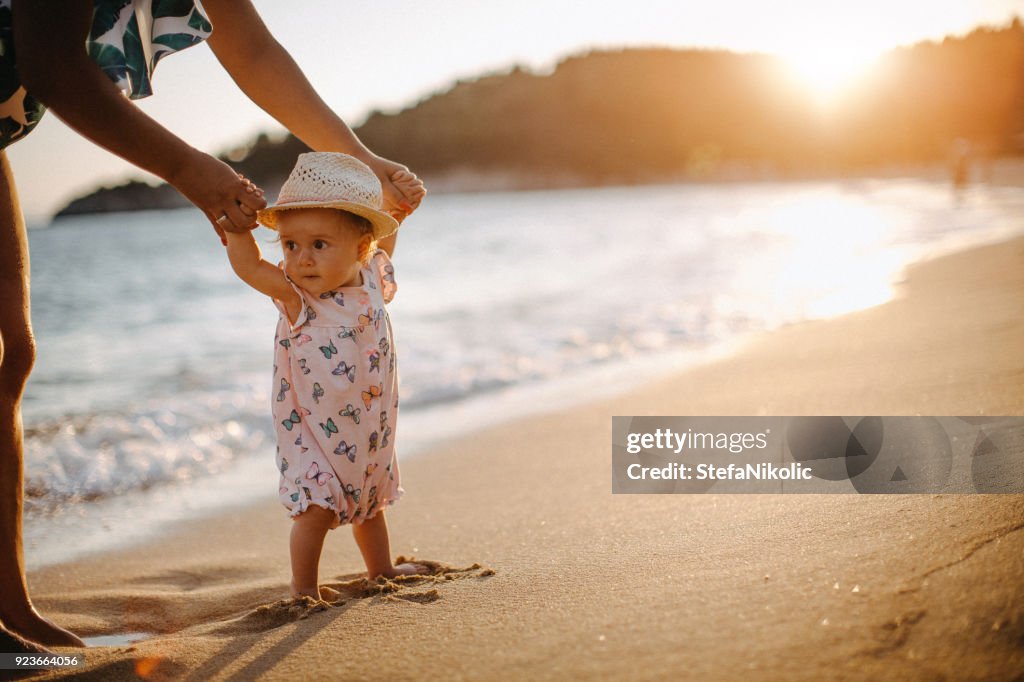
332 180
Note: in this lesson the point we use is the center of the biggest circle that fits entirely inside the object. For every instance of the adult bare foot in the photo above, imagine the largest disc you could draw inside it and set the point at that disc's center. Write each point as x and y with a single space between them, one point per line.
37 629
10 643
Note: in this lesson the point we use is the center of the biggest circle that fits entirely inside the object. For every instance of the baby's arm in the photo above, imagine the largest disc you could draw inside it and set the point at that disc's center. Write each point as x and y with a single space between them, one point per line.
248 264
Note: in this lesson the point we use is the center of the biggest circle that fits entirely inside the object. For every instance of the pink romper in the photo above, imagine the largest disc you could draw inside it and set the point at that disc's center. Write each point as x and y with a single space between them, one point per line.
335 399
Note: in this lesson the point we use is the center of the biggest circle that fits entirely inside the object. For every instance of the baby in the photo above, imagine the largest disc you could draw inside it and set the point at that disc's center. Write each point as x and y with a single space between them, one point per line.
335 390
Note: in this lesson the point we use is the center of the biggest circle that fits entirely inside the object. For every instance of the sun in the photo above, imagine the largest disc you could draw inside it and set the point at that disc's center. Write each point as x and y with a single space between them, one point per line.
828 72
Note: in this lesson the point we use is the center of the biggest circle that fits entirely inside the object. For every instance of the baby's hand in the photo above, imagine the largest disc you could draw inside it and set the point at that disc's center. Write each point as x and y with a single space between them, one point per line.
413 190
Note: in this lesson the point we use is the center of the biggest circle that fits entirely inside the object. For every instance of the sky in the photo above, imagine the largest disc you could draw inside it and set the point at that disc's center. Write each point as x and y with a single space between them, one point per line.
363 55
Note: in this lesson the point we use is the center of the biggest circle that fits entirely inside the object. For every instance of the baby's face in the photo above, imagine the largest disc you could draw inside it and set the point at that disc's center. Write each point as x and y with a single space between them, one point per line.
321 249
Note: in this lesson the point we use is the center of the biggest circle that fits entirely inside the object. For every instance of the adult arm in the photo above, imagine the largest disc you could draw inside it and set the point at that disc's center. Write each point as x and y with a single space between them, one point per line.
49 39
268 75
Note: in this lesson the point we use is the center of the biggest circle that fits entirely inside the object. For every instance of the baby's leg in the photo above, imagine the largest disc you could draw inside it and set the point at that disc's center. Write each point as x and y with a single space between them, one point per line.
372 537
307 540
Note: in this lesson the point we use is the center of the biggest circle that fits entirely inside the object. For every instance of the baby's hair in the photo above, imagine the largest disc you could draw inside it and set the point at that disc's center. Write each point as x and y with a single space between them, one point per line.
362 226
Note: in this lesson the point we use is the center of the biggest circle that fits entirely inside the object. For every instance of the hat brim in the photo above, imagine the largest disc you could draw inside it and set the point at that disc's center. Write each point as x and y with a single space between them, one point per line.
383 224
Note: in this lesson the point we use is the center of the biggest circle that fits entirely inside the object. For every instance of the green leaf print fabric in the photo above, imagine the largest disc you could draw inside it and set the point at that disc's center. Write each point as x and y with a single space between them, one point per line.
143 33
172 8
126 40
105 14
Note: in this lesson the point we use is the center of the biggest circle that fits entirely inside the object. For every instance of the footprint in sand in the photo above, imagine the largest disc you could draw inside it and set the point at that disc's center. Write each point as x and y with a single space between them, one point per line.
270 616
336 594
417 597
437 573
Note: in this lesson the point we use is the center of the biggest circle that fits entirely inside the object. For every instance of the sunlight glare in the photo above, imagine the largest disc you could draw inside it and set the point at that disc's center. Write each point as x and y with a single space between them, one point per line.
829 72
833 251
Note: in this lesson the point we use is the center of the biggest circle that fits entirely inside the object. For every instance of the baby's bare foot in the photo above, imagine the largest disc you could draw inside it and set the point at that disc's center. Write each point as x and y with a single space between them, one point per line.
329 594
299 592
407 569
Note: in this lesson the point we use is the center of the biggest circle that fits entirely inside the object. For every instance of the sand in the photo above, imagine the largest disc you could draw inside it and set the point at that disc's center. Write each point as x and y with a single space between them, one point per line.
542 573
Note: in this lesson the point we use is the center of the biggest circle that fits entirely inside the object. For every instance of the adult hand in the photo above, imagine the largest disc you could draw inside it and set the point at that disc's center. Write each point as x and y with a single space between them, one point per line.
229 200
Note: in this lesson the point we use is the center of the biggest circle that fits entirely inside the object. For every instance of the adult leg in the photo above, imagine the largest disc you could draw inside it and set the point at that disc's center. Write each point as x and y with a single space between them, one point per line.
17 353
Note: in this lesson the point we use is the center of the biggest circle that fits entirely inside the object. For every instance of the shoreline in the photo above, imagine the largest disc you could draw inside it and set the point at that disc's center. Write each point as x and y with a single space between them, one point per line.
1005 171
586 583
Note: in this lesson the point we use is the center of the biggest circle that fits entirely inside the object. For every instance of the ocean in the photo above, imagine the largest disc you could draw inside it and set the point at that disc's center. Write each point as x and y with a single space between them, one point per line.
150 400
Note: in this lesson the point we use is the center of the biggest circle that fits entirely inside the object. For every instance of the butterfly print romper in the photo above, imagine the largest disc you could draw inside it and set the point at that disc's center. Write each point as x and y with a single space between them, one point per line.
335 399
